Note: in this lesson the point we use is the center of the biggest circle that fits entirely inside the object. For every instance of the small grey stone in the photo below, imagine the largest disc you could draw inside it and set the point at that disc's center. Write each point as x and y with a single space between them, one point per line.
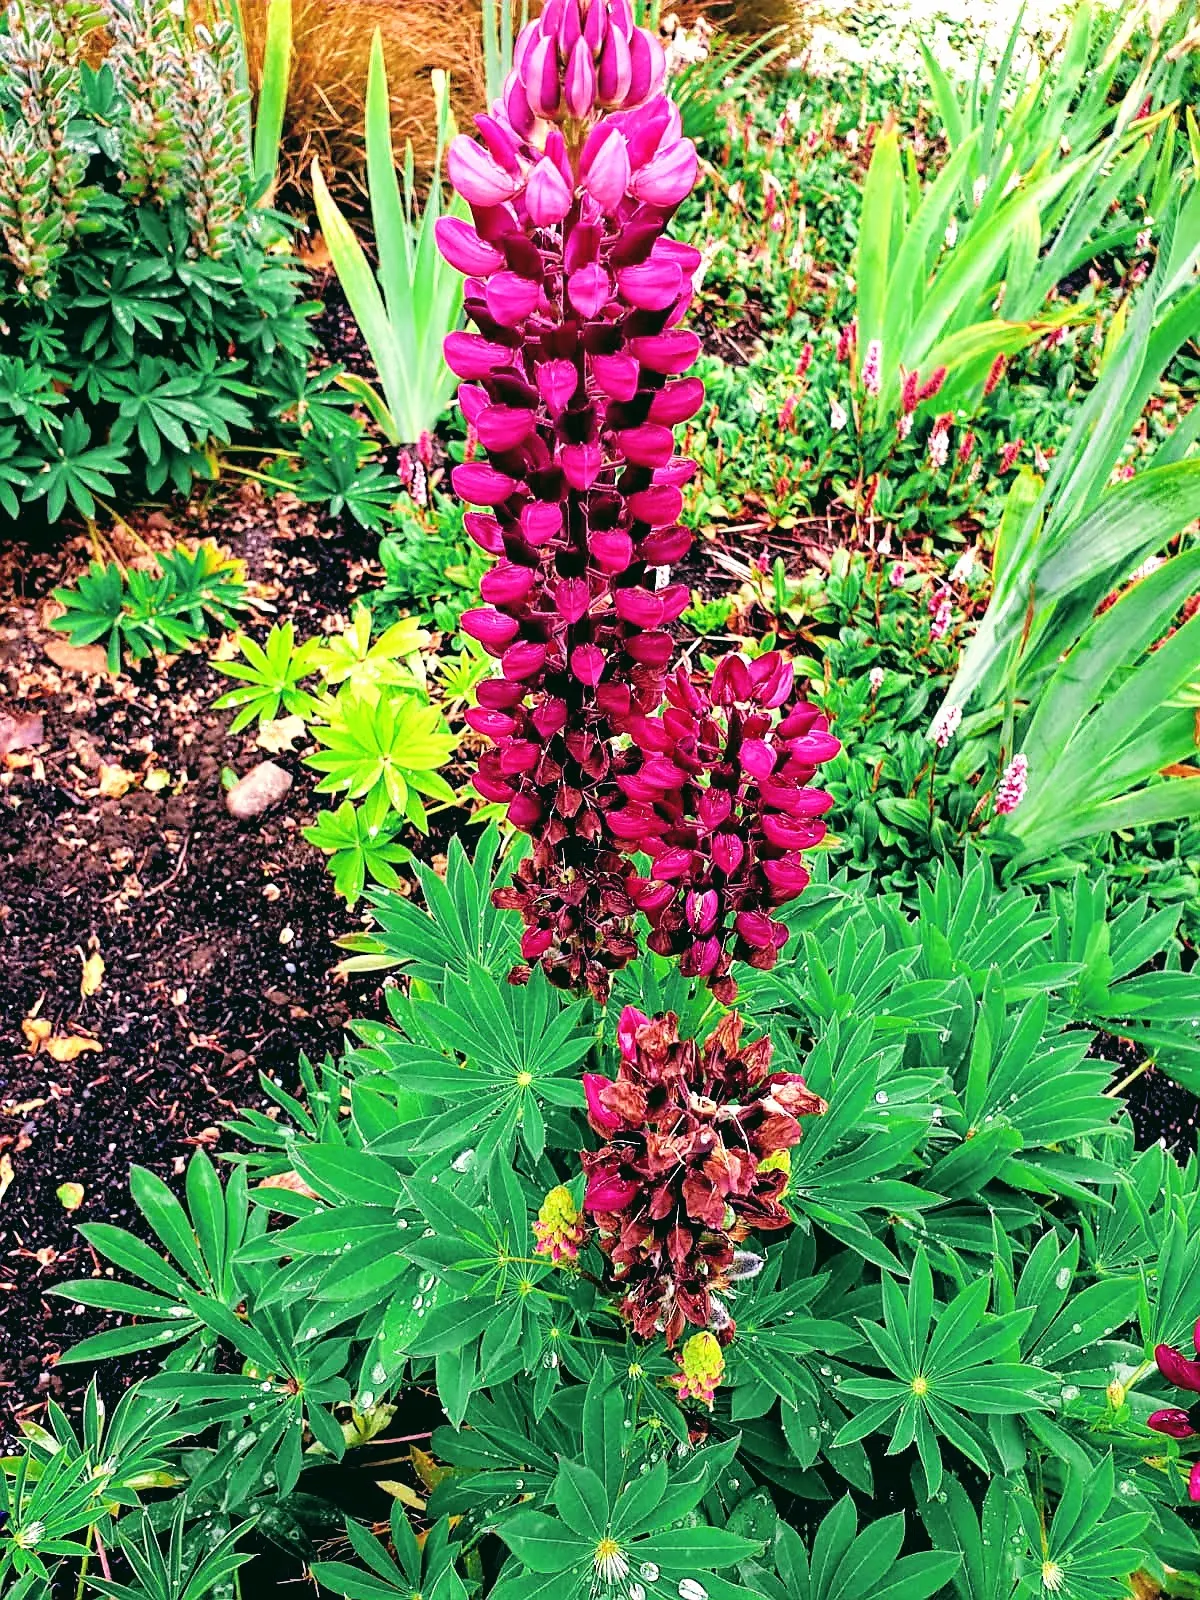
263 786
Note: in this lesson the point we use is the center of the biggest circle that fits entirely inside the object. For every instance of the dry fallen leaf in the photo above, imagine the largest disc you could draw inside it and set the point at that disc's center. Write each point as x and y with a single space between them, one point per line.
19 731
288 1180
280 734
37 1030
6 1175
22 1108
114 780
70 1196
93 974
70 1046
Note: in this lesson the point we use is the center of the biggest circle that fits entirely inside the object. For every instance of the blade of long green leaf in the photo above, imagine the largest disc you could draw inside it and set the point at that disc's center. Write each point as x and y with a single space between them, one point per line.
272 96
358 281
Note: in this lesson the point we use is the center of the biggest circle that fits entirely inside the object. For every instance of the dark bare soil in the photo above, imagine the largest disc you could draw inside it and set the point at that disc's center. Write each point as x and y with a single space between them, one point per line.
216 936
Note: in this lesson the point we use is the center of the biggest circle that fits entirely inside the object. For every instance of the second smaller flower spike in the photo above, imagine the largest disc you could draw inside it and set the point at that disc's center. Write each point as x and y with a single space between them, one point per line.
691 1164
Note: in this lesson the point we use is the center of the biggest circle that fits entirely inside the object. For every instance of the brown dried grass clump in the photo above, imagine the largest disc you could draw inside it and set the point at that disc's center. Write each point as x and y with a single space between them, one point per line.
747 17
331 47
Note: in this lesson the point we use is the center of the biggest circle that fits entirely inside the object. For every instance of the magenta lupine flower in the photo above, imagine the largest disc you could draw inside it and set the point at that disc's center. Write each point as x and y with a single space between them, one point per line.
719 797
1011 789
572 384
1174 1421
872 364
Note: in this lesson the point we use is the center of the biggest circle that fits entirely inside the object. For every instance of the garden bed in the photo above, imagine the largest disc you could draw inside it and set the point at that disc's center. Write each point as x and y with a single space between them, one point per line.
216 935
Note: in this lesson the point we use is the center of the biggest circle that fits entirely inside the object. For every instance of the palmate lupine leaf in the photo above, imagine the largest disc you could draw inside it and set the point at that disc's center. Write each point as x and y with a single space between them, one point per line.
392 746
427 1569
1084 1550
946 1372
611 1522
272 674
845 1564
200 1243
360 842
458 927
519 1044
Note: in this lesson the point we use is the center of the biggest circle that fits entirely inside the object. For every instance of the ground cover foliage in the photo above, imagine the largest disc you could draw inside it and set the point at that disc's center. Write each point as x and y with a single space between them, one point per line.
735 1196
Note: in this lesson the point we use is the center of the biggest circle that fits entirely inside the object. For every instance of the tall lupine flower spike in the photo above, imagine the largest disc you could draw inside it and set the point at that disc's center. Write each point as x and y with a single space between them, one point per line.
689 1166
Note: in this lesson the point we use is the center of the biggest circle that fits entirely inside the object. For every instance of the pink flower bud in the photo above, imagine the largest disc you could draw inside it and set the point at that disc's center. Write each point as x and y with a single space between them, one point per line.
503 427
511 298
616 376
477 176
541 522
525 812
579 86
668 177
757 930
658 505
535 942
701 911
570 26
666 547
485 531
539 74
651 445
547 197
757 758
481 485
668 353
677 402
506 584
788 833
608 1192
638 606
572 597
492 724
589 290
516 106
607 176
786 875
581 464
652 286
647 67
587 663
470 355
492 628
611 549
613 70
525 659
557 382
464 249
